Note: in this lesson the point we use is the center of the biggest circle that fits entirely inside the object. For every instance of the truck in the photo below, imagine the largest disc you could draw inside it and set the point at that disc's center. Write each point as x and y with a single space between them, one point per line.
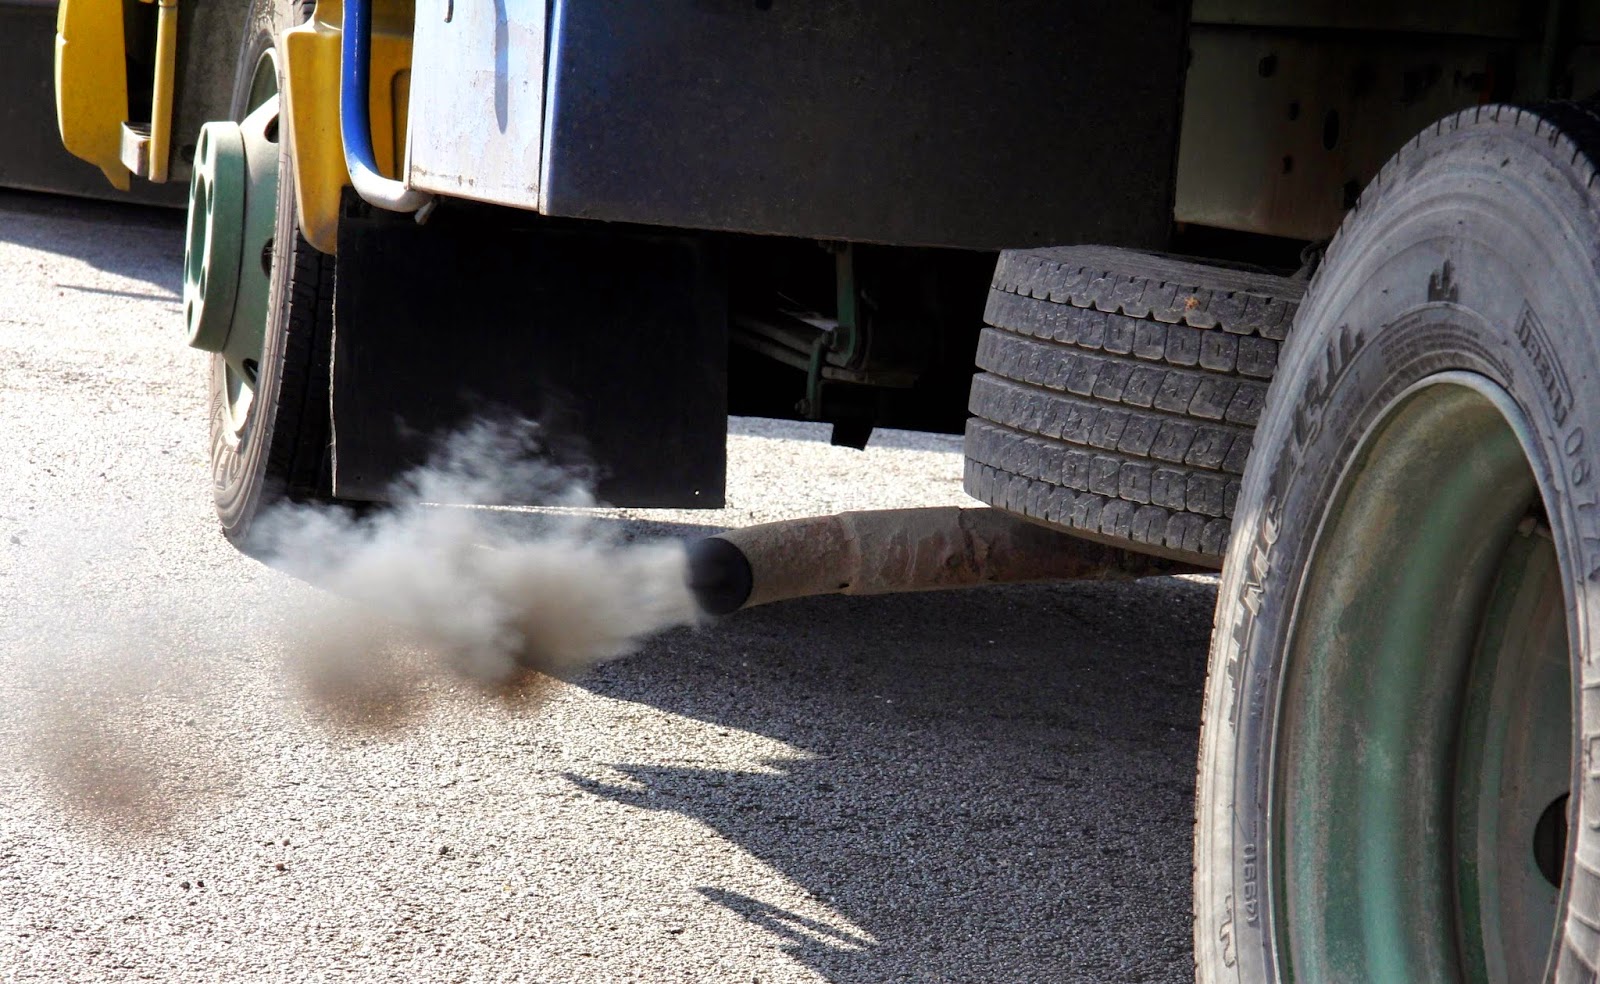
1307 293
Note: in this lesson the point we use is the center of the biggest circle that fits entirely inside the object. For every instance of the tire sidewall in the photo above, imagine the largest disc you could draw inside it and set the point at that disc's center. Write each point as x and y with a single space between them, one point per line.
240 455
1475 251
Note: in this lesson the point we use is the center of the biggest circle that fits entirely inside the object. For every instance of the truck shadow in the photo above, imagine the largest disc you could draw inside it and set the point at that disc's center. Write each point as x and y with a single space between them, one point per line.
989 785
136 242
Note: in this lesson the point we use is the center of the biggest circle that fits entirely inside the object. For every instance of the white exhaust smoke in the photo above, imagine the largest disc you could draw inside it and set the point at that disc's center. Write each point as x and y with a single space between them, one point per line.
509 600
416 597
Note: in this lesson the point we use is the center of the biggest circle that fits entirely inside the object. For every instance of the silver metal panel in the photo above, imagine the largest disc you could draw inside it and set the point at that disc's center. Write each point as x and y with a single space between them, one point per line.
477 100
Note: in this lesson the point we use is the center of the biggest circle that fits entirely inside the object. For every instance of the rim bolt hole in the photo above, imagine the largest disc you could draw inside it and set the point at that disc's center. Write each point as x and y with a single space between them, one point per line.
1550 840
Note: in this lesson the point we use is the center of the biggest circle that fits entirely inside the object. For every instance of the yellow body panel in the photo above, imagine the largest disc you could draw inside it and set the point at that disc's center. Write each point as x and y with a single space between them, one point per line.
311 108
92 84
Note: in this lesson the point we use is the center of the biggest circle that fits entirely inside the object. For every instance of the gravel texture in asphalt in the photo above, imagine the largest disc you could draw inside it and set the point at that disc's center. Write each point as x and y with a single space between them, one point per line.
991 785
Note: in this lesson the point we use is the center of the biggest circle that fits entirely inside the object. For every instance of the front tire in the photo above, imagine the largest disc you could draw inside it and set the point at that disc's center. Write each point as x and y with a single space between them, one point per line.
1400 763
270 431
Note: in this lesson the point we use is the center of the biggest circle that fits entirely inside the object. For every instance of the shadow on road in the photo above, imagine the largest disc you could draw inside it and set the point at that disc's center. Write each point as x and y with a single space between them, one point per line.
139 242
993 784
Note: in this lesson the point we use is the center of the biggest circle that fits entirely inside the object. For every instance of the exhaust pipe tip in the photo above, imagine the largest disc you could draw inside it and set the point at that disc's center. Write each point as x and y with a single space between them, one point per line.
893 550
720 576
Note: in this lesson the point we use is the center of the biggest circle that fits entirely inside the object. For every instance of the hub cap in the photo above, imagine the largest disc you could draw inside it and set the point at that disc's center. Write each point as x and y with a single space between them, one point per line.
1426 733
233 204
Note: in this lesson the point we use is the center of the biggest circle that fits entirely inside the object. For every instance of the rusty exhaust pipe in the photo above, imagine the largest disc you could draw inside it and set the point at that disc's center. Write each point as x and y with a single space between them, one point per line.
893 550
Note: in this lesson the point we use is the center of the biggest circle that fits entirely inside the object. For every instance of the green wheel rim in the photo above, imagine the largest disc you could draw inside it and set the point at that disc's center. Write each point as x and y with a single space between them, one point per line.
233 204
1425 729
212 247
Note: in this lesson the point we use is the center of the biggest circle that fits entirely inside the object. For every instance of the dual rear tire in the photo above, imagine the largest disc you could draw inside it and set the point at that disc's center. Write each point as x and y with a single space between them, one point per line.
1400 763
1399 774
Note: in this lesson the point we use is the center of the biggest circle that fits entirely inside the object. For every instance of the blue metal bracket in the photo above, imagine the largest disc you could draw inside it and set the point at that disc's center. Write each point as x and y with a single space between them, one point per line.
355 118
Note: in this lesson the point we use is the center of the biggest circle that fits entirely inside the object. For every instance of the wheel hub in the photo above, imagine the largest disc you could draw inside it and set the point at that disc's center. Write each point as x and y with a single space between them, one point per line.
227 254
1420 787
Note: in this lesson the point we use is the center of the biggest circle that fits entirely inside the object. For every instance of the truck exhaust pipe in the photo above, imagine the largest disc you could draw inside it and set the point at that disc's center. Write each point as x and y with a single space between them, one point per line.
894 550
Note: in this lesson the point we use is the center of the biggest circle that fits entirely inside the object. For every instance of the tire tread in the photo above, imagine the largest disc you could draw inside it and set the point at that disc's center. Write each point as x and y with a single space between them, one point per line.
1120 392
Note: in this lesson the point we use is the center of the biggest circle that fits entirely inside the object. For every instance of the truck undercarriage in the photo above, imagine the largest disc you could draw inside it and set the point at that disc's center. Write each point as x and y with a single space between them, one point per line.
1309 293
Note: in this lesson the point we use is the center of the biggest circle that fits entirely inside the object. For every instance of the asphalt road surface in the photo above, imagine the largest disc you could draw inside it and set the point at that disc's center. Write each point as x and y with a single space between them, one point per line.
991 785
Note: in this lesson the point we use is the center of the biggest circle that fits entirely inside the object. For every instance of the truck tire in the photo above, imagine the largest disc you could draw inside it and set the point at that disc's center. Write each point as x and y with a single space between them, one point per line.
1399 776
270 437
1120 391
